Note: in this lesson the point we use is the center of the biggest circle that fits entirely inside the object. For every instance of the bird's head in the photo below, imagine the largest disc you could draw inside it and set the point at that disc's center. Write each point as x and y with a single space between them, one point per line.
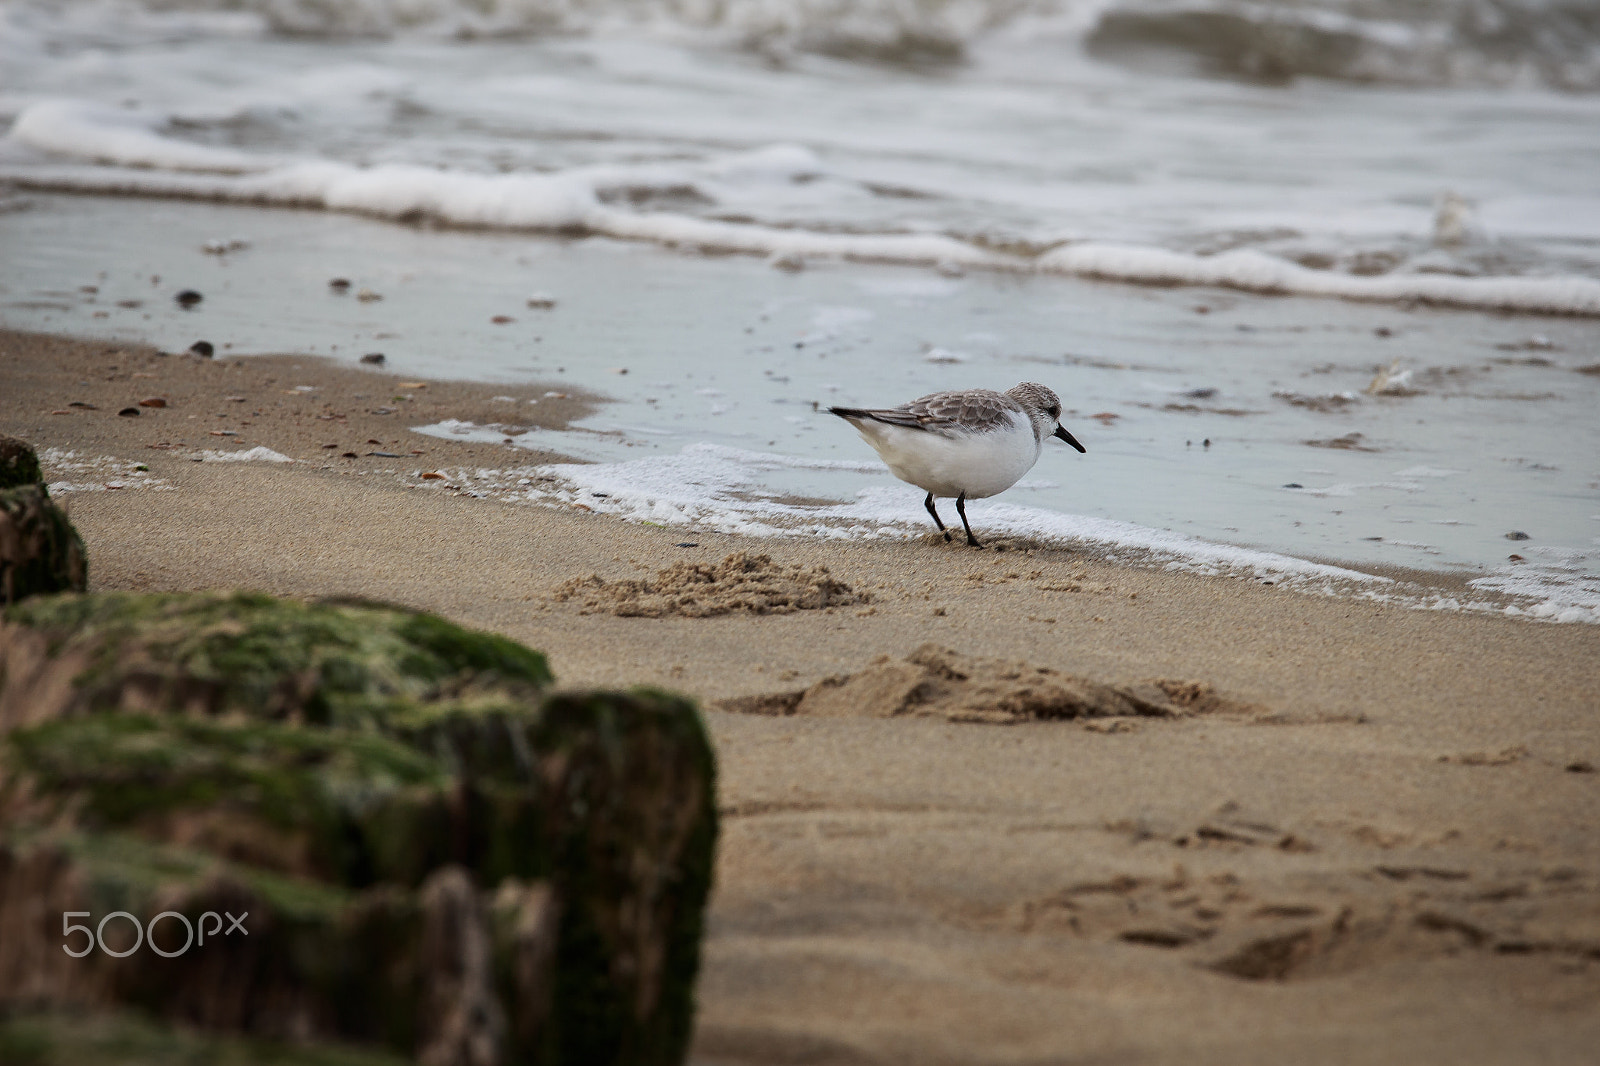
1044 408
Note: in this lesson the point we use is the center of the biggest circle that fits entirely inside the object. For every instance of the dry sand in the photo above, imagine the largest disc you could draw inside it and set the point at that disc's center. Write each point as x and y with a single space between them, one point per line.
1358 834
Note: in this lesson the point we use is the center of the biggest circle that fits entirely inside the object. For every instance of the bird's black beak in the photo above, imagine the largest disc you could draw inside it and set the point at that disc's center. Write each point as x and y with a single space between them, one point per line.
1061 431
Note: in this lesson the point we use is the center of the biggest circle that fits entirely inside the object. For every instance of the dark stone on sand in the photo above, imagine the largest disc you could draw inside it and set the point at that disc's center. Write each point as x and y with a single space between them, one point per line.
129 412
1517 534
19 465
1582 766
153 401
1294 485
188 298
437 859
373 358
348 455
339 285
204 349
40 552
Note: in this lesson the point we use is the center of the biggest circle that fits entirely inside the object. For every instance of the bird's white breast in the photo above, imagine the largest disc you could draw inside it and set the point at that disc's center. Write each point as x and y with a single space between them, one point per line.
977 464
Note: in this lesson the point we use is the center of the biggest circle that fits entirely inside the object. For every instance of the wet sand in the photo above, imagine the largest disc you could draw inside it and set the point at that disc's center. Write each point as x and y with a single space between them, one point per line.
1379 843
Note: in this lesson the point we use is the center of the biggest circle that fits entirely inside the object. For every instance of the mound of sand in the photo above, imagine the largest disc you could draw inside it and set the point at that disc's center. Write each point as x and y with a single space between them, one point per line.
935 681
752 584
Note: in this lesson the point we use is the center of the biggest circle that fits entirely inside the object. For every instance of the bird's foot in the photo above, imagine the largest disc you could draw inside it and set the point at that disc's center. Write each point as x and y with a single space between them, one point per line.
947 536
972 542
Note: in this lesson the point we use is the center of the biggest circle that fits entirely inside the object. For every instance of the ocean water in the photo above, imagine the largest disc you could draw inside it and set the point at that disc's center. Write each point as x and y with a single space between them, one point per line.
1319 281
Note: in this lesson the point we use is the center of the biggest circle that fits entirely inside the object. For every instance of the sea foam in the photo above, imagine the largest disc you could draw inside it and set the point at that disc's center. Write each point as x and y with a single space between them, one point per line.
74 146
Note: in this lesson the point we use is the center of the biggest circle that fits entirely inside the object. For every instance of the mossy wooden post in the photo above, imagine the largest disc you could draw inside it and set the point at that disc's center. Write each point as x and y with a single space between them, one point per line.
40 552
436 856
19 464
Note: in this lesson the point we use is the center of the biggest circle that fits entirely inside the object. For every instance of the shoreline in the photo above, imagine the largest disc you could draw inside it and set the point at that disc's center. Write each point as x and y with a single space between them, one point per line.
1393 800
1243 271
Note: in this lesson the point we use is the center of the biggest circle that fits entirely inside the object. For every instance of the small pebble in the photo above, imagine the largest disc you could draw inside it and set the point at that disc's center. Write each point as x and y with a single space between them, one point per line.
542 301
1294 485
686 544
367 296
385 455
340 285
188 298
154 401
1517 534
1383 331
330 445
203 349
373 358
501 320
85 406
129 412
432 476
348 455
1582 766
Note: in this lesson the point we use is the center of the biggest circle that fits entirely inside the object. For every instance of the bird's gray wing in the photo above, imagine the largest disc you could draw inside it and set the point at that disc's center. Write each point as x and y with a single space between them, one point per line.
949 414
963 411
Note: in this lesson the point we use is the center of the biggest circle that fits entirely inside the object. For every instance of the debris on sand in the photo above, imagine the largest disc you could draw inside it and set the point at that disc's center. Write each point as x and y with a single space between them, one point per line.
745 583
937 682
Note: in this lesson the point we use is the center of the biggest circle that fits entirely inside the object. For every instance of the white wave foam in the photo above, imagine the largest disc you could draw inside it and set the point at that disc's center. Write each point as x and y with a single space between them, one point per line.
1551 583
259 454
716 487
66 145
123 137
1254 271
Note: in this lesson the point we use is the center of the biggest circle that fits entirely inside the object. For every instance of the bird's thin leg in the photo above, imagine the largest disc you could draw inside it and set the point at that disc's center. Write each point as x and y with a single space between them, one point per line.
928 503
961 509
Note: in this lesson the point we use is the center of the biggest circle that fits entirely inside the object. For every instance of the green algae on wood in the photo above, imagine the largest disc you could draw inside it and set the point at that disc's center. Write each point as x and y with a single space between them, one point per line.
346 663
437 856
69 1038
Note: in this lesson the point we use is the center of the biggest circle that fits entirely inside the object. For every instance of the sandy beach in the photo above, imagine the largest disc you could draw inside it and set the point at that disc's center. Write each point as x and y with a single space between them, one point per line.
1320 830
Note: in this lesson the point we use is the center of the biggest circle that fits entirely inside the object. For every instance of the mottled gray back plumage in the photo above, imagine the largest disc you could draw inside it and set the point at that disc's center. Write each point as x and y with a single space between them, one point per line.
950 414
961 412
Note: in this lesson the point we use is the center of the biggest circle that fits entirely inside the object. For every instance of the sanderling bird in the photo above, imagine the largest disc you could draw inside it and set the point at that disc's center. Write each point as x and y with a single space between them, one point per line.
969 443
